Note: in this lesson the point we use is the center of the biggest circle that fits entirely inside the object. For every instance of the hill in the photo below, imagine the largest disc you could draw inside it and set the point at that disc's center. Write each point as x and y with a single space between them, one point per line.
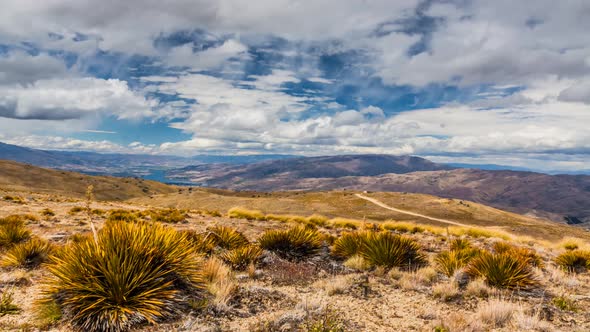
24 177
292 170
562 198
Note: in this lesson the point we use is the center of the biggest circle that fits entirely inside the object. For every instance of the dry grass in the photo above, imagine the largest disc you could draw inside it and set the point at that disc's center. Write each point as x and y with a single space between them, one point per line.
219 282
243 213
495 313
477 288
335 285
345 223
571 243
526 322
445 291
358 263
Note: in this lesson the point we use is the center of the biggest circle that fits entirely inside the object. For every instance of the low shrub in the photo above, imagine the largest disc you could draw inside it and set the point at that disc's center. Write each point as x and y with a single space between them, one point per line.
172 216
28 254
349 244
390 250
13 231
122 215
134 273
294 244
239 258
227 238
448 262
574 260
7 306
241 213
503 271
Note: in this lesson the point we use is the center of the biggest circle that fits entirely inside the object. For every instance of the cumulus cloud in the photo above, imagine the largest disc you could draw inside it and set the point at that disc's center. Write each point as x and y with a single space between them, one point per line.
63 99
21 67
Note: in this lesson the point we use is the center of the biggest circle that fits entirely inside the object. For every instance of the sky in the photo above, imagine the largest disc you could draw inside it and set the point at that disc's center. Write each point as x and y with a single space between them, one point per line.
471 81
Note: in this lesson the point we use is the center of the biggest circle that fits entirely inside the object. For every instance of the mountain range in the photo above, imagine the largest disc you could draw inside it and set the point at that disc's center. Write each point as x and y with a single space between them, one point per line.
561 198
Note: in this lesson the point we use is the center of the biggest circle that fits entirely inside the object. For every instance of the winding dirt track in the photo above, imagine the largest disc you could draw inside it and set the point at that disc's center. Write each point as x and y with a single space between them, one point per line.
385 206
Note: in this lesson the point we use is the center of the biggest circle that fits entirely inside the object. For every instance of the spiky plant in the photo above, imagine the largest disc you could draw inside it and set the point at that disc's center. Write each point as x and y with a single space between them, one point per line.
349 244
122 215
527 254
293 244
227 237
240 258
503 270
28 254
574 260
7 306
13 231
390 250
448 262
203 242
460 244
133 273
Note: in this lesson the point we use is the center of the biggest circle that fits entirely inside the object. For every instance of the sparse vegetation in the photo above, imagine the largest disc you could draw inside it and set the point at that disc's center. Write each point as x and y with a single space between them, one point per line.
75 210
241 213
495 313
134 273
574 260
13 231
7 306
47 213
445 291
172 216
503 271
345 223
389 250
241 257
448 262
14 199
122 215
28 254
565 303
403 227
294 244
227 237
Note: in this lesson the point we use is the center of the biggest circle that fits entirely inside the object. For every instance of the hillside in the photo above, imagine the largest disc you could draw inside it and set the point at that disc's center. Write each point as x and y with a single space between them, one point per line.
561 198
292 170
23 177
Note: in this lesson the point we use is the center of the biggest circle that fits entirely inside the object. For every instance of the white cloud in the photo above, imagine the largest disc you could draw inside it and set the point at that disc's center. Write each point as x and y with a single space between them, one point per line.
210 58
20 67
62 99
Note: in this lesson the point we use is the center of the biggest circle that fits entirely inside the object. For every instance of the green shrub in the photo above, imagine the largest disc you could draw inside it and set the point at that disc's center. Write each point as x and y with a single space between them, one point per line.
28 254
7 307
390 250
448 262
47 213
574 260
172 216
76 210
349 244
13 231
122 215
241 213
460 244
227 237
293 244
202 242
503 270
240 258
135 273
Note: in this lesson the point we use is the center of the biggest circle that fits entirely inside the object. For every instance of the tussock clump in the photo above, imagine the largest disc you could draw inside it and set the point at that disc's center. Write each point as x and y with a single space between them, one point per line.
14 199
460 244
227 238
135 273
219 282
171 216
480 233
477 288
13 231
445 291
495 313
47 213
242 257
7 306
449 262
524 253
349 244
202 242
318 220
75 210
345 223
28 254
503 271
403 227
241 213
389 250
293 244
122 215
571 243
574 260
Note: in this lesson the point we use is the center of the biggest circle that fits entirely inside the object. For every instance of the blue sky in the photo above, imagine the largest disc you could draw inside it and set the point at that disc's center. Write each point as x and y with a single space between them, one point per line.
455 81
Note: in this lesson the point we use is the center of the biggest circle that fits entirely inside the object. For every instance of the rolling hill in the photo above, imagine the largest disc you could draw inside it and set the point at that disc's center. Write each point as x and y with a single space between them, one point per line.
562 198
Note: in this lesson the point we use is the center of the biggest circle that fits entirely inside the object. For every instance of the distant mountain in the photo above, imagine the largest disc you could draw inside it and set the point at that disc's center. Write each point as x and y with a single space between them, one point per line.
563 198
294 169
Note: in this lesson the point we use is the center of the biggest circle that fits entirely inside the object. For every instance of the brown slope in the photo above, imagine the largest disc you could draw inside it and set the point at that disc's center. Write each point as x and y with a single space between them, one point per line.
548 196
24 177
